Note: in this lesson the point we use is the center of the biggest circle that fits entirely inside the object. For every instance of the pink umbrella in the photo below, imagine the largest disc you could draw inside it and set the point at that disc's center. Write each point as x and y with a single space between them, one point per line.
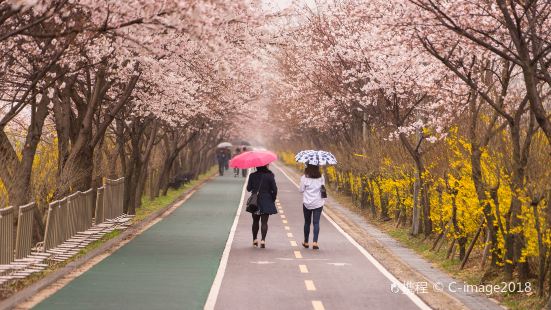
252 159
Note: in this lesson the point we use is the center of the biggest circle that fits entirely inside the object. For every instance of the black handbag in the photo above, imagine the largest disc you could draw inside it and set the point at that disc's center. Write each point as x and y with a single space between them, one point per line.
323 191
252 202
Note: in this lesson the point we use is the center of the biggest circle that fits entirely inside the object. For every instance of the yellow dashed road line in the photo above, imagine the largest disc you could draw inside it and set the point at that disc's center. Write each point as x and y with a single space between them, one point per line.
293 243
318 305
287 228
309 285
303 268
285 222
298 254
283 216
290 235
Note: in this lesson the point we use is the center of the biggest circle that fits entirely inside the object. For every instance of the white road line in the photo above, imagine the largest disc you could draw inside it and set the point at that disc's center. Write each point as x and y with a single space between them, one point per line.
287 228
284 221
217 283
414 298
303 268
293 243
283 216
318 305
290 235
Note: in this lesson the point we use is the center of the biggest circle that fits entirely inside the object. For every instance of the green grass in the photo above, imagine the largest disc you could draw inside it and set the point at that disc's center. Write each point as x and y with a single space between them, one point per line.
148 207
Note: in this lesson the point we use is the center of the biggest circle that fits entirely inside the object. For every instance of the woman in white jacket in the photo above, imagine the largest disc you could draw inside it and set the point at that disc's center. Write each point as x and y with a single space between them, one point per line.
312 202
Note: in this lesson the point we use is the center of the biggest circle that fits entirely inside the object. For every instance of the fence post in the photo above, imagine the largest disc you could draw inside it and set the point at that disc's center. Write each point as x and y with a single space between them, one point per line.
49 231
72 214
121 197
24 238
100 215
6 235
88 208
108 199
63 221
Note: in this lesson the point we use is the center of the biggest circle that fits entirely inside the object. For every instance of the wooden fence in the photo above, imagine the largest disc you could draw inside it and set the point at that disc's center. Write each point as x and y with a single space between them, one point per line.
6 235
65 218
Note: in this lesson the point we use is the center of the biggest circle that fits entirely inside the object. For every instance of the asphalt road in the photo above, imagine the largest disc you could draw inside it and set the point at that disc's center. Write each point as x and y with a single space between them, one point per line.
201 255
285 275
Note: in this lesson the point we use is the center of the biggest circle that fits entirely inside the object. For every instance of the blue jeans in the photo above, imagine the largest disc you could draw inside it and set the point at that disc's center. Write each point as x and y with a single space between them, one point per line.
308 219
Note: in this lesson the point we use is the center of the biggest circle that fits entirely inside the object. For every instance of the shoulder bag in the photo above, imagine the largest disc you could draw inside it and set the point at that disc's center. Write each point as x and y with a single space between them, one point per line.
323 190
252 202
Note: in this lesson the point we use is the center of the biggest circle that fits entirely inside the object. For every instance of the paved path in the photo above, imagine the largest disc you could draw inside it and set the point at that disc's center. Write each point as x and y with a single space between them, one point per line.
173 264
471 300
170 266
287 276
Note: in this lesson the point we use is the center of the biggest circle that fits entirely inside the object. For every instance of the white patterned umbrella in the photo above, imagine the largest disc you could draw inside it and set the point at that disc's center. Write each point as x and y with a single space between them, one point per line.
224 144
319 158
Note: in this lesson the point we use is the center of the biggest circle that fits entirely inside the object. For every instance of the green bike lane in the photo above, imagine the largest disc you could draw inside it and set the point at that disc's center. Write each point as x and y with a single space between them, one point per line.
171 265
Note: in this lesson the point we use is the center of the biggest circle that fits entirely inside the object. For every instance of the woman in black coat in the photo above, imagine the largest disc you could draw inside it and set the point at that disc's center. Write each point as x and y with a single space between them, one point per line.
264 179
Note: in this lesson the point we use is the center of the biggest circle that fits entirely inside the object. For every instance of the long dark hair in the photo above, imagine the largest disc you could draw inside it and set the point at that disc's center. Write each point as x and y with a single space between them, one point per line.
312 171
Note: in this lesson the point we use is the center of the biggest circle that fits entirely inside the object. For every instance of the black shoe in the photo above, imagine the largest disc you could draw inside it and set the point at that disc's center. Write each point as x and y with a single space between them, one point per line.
315 246
306 245
262 244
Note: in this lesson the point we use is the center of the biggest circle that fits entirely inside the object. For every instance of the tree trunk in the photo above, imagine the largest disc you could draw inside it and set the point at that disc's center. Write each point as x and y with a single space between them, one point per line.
77 174
16 173
165 173
384 202
371 197
536 106
427 227
480 187
415 215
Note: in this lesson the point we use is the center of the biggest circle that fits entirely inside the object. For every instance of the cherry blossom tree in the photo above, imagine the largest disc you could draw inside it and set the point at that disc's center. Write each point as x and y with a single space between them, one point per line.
515 31
84 64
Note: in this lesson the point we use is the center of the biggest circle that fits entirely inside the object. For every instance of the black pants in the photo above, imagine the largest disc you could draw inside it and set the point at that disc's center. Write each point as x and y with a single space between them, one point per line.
221 168
308 219
264 229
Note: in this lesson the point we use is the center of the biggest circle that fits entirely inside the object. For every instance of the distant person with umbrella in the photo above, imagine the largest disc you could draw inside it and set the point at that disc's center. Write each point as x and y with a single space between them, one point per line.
221 159
236 170
263 188
244 171
223 156
312 187
228 156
